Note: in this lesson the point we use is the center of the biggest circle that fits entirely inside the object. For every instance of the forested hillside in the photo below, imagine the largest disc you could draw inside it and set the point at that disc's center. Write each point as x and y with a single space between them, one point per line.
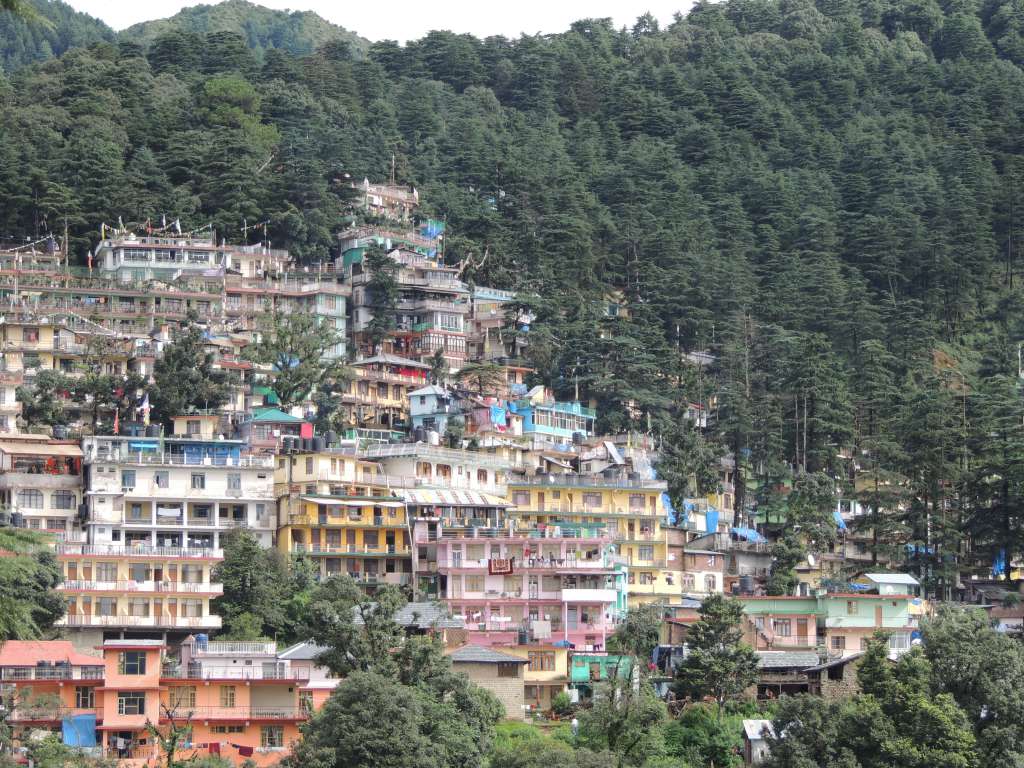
298 32
22 42
827 197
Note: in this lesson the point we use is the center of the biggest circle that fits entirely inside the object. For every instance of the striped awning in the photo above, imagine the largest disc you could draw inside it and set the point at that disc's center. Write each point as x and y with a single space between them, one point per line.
450 497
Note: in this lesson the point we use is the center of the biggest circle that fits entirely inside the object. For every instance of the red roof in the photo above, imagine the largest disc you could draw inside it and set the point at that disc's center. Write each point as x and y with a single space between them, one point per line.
25 653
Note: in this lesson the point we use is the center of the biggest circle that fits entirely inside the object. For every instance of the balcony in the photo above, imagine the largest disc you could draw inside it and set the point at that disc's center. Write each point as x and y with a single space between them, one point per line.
594 596
142 551
239 713
439 453
49 714
154 458
163 587
51 673
590 481
216 648
351 549
157 622
195 672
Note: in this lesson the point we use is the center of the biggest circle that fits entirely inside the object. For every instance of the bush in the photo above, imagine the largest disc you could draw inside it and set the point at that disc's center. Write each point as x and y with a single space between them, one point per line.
562 705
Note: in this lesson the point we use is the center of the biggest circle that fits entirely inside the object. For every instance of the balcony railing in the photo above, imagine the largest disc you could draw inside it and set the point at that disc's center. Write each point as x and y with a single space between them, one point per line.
121 620
240 713
234 673
112 550
80 585
591 481
349 549
51 673
180 460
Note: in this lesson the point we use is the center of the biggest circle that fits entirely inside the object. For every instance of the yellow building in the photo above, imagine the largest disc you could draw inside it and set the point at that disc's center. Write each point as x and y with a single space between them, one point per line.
340 511
633 511
546 674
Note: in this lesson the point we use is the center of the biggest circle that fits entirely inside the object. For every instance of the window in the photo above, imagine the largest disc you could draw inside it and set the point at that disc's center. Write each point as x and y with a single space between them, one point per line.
234 481
62 500
135 512
899 641
272 737
710 583
688 581
84 698
851 607
192 574
474 583
138 607
227 729
521 498
131 703
645 553
309 465
30 498
636 502
139 572
191 427
782 627
198 480
646 577
132 663
183 696
227 695
161 479
592 500
838 643
541 661
106 571
106 606
56 524
192 609
128 479
508 669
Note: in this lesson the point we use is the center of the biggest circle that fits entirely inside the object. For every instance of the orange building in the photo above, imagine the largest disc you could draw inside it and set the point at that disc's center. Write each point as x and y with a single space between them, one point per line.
240 699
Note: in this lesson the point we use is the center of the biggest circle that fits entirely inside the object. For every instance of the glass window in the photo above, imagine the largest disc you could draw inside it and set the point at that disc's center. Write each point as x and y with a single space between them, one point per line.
106 571
128 479
541 661
84 698
132 663
131 703
198 480
234 481
182 696
161 479
139 572
592 500
510 669
271 736
227 695
710 584
106 606
838 643
62 500
30 498
782 627
851 607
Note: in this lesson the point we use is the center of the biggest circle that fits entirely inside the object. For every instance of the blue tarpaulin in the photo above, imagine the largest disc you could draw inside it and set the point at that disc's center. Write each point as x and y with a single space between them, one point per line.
498 416
839 520
711 518
919 549
672 514
750 535
999 563
79 730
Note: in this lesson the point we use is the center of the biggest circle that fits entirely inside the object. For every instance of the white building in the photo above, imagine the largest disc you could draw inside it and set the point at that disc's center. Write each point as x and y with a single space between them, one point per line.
419 465
41 484
185 491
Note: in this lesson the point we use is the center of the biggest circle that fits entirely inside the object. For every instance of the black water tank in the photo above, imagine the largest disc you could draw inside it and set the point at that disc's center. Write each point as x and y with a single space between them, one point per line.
319 444
153 430
332 437
746 584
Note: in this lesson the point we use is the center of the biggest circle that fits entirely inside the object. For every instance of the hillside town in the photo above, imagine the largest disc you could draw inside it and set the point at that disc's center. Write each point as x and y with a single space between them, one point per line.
520 537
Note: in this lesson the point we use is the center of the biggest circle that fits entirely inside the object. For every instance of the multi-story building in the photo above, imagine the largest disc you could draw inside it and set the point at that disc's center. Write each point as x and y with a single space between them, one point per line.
629 506
420 465
128 257
340 511
240 700
431 309
495 333
41 484
522 586
547 419
376 406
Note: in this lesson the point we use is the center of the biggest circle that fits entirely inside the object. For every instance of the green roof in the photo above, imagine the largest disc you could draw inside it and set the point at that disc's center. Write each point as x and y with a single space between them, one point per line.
275 415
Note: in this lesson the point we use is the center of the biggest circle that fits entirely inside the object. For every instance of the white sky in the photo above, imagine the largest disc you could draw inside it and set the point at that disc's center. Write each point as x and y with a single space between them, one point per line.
411 19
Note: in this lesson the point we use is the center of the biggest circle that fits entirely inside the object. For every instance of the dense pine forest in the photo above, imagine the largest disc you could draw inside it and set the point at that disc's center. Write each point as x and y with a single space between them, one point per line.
826 197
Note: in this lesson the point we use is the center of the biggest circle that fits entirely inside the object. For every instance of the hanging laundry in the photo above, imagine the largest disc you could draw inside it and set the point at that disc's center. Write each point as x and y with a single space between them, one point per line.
244 751
214 747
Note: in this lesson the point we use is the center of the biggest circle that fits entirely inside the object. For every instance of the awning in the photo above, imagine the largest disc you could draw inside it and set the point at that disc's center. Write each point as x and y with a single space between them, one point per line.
437 497
327 501
750 535
15 448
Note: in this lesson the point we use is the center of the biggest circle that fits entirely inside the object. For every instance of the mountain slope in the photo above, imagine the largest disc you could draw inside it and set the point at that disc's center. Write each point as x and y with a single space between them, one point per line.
22 43
298 32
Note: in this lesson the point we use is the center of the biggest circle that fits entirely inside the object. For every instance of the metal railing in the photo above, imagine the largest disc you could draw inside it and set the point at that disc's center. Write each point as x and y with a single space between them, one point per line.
83 585
234 673
112 550
51 673
240 713
179 460
349 549
591 481
234 648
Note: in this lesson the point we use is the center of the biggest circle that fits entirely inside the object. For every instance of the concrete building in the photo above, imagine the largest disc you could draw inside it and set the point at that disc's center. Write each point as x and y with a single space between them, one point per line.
499 672
41 484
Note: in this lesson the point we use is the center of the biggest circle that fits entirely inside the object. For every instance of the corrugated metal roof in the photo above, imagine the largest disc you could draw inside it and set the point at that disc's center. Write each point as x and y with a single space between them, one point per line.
18 448
25 653
892 578
478 654
787 659
304 651
443 497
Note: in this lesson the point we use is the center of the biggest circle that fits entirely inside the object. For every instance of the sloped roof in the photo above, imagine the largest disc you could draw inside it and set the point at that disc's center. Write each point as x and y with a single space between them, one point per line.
478 654
25 653
275 415
787 659
753 729
304 651
892 578
431 389
387 359
835 662
422 615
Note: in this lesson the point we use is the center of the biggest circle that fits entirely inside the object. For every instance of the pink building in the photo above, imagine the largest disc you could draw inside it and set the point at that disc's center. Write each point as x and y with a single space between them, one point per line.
520 586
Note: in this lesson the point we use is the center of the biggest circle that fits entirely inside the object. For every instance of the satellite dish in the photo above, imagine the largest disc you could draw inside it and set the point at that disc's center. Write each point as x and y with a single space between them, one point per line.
810 559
